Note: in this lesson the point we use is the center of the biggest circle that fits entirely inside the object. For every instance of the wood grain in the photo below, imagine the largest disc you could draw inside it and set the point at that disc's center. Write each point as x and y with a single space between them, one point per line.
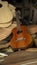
32 29
27 62
21 56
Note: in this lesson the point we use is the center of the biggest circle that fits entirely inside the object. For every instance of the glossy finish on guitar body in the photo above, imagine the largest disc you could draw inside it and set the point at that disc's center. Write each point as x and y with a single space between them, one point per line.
20 40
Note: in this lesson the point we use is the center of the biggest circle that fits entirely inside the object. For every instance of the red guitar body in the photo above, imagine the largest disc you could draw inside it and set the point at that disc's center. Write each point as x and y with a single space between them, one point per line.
21 39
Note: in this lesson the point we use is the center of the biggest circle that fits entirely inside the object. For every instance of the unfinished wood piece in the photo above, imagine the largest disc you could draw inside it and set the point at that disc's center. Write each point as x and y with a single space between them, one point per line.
27 62
5 32
20 56
32 29
4 45
7 12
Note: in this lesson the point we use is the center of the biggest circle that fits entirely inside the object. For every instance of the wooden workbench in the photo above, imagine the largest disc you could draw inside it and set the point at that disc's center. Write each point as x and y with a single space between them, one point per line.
24 57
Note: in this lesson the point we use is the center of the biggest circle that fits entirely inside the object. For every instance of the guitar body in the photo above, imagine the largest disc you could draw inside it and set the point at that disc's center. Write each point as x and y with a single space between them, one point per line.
21 39
7 12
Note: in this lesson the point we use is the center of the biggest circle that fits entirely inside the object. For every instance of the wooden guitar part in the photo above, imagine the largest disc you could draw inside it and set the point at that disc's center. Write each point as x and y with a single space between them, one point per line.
20 40
32 29
4 45
7 12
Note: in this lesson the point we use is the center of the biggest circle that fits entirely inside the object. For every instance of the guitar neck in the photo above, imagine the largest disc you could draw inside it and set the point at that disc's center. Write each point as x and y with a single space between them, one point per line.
18 20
